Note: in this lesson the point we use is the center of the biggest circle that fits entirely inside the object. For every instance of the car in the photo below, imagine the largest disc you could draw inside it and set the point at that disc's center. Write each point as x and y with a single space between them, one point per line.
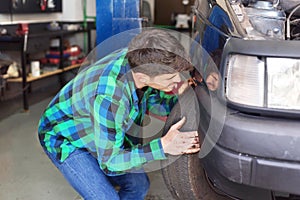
250 125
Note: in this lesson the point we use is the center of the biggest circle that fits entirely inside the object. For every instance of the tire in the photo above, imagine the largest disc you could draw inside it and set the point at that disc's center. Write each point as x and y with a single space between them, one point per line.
183 175
186 179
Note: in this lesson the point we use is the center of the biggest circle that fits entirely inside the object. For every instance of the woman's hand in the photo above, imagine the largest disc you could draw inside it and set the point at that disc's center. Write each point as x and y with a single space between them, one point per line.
176 142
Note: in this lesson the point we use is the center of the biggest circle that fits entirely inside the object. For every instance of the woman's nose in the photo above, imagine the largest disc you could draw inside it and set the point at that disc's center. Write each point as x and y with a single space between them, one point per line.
177 79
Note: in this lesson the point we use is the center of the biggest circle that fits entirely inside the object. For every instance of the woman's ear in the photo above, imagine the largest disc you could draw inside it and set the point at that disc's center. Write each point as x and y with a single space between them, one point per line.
141 79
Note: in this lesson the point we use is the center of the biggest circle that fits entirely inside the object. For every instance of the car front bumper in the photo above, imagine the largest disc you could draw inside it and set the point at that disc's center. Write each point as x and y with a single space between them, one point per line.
255 154
249 153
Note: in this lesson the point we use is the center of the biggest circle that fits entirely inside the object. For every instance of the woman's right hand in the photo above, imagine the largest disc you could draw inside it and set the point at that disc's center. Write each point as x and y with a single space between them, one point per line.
176 142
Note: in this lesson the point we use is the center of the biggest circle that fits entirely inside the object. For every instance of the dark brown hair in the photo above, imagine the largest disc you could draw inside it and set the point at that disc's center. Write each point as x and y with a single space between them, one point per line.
154 52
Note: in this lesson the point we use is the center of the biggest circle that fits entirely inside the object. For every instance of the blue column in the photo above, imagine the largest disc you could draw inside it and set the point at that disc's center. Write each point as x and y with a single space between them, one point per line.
115 16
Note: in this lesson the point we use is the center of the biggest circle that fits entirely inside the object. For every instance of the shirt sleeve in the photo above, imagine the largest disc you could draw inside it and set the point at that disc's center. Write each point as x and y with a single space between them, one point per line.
160 103
109 119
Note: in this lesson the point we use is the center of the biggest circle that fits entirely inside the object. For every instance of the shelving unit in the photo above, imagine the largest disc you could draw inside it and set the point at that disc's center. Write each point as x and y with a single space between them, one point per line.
18 43
44 75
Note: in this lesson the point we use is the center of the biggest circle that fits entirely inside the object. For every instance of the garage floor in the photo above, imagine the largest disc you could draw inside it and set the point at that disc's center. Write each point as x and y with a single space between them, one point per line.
27 174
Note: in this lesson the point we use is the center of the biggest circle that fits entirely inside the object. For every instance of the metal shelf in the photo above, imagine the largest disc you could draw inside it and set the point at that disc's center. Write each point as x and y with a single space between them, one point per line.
18 43
44 75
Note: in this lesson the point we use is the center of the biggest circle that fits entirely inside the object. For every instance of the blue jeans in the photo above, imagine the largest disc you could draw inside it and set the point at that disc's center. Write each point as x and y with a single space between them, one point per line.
83 173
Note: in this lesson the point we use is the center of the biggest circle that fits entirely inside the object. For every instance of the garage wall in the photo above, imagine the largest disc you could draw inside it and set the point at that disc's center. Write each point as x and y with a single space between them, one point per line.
152 5
165 8
72 11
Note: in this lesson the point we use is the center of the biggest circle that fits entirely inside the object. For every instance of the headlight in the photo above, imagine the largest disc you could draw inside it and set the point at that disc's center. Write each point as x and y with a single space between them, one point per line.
245 80
284 83
270 82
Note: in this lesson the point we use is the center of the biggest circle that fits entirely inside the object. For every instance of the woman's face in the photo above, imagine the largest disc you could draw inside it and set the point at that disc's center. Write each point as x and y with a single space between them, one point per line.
166 82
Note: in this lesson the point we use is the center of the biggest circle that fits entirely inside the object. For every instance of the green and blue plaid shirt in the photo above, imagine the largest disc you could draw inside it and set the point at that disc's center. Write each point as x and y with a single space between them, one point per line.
100 110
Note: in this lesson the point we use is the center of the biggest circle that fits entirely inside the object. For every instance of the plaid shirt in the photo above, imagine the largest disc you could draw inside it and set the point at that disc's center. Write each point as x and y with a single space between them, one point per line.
99 110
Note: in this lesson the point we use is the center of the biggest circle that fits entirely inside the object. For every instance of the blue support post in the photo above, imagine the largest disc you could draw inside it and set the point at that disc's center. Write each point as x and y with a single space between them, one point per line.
116 16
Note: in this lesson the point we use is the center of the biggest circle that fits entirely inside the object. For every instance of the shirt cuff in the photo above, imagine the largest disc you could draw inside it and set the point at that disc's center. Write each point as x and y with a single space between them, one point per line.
157 149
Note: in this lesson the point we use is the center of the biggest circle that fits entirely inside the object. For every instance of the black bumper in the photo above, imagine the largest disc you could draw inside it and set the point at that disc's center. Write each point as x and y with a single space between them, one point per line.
254 155
258 152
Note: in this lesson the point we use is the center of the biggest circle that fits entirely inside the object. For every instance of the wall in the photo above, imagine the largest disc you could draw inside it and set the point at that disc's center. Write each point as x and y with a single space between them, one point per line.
165 8
152 3
72 11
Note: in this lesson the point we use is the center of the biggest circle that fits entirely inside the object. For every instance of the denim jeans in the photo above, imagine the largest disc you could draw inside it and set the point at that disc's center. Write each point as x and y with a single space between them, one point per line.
83 173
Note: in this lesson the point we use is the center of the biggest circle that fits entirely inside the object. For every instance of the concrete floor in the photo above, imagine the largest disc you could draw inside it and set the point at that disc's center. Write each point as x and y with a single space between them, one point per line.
27 174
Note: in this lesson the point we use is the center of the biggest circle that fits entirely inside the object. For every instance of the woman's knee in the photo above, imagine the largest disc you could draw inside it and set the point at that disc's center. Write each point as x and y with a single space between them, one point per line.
139 182
143 183
137 188
133 184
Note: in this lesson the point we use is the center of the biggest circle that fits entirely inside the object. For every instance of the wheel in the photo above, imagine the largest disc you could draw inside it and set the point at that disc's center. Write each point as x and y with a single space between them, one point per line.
186 179
183 175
